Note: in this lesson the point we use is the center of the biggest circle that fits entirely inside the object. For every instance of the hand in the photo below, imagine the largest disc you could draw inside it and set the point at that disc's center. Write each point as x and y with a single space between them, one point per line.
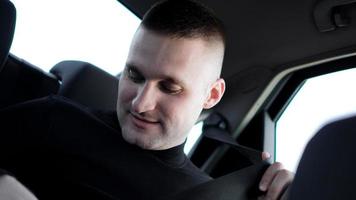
10 188
275 181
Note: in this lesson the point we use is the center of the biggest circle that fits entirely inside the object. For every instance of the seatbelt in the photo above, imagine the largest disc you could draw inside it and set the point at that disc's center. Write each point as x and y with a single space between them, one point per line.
239 185
215 128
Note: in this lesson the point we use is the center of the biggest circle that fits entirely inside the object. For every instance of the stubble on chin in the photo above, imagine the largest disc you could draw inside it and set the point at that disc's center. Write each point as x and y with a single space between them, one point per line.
142 141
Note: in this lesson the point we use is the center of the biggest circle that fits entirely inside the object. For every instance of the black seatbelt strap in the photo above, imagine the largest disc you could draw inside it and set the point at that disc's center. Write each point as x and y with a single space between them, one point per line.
215 128
238 185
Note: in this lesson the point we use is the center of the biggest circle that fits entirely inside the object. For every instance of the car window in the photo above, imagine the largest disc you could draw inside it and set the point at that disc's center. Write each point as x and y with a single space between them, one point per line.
320 100
95 31
193 137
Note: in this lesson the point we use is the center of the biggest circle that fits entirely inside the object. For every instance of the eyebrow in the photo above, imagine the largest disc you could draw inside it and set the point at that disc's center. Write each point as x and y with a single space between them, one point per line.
164 77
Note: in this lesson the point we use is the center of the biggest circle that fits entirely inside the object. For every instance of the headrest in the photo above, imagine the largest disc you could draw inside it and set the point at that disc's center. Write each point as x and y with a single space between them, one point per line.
87 84
327 168
7 28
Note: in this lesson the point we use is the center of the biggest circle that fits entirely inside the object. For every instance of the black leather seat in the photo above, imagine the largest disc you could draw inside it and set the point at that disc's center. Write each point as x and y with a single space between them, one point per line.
19 80
87 84
7 28
327 168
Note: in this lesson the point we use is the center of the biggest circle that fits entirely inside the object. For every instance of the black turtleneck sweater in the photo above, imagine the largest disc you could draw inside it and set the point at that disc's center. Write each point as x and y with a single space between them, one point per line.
61 150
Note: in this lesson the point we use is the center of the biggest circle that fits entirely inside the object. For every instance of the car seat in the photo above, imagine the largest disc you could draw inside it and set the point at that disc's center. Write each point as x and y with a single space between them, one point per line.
19 80
7 27
87 84
327 167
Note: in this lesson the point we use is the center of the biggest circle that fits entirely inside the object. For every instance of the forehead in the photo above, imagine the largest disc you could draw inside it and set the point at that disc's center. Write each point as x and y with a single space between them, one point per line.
158 55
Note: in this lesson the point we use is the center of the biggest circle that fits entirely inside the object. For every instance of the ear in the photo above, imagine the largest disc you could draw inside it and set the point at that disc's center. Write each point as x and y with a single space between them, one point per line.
215 94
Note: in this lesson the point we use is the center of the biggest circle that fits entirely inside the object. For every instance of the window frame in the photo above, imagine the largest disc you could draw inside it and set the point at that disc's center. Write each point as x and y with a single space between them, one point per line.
287 88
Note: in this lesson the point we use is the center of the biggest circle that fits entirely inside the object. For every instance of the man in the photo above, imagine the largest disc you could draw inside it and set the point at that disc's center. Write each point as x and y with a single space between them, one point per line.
61 150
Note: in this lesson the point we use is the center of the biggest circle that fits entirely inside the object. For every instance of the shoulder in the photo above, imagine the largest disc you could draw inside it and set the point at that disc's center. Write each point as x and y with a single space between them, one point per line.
196 174
51 107
40 104
59 105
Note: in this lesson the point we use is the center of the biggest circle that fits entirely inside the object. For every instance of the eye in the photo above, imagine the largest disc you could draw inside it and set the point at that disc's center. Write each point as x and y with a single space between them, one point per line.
134 75
170 88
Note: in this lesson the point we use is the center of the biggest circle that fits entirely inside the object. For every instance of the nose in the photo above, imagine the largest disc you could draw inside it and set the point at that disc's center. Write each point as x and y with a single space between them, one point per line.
145 99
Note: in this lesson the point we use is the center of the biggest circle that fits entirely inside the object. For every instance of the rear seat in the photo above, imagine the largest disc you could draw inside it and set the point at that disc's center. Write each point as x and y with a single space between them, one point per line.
87 84
19 80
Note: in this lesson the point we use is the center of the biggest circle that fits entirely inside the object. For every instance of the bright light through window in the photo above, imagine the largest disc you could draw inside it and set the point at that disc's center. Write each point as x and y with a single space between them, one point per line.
95 31
321 100
193 137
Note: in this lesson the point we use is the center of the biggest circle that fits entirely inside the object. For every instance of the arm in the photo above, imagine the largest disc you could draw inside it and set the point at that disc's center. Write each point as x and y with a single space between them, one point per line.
22 127
23 124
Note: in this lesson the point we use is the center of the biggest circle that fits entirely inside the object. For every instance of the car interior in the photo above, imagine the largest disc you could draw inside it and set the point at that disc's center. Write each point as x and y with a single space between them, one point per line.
331 147
273 47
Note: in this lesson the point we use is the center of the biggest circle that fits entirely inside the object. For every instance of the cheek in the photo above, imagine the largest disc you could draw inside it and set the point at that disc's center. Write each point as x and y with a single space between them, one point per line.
182 109
126 92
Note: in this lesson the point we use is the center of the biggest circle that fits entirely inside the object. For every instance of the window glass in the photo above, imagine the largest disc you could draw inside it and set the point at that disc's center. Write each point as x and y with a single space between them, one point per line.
95 31
321 99
193 137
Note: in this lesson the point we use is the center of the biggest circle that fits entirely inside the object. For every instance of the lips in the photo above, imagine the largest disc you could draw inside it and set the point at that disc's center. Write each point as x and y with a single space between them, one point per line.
141 122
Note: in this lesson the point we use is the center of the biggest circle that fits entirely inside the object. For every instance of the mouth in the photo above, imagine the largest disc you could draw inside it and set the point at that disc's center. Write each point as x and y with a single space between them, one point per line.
141 122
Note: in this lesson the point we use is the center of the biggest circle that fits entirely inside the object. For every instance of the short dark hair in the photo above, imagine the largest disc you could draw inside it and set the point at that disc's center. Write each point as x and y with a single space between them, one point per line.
184 19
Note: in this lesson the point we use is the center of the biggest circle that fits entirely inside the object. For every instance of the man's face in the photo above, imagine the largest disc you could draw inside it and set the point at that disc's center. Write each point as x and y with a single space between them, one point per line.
164 87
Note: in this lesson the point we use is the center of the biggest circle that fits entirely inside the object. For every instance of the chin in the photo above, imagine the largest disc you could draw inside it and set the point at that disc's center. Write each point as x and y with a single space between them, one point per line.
140 140
146 146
